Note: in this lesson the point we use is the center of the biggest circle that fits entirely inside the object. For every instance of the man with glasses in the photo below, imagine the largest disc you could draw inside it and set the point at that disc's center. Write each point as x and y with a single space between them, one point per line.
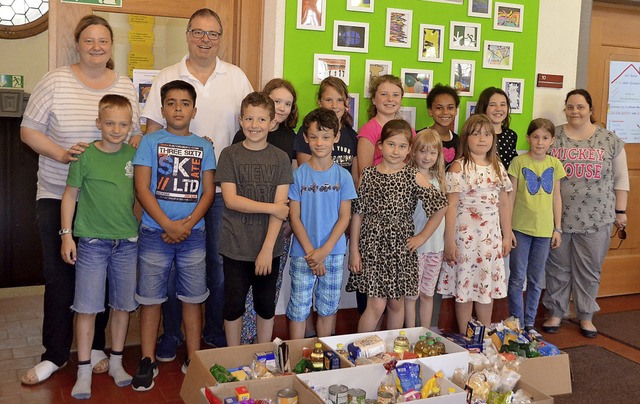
220 88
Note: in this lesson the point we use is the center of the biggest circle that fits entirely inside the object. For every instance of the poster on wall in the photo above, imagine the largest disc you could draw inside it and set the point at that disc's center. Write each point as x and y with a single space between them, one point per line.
373 69
515 90
398 28
623 115
330 65
431 46
508 17
350 36
311 15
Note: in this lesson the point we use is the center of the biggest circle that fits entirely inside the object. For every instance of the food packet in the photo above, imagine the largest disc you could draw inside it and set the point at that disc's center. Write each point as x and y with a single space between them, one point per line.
304 365
221 374
408 377
499 398
432 387
388 383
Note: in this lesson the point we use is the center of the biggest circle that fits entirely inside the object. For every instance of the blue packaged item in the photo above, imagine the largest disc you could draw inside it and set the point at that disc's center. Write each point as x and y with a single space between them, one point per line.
408 377
547 349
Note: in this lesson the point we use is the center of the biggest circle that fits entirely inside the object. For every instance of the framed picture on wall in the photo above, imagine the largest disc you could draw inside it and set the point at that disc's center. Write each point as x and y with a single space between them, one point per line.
351 36
354 108
360 5
416 83
498 55
409 115
479 8
373 69
464 36
515 90
398 28
462 75
446 1
471 109
431 46
330 65
508 17
311 15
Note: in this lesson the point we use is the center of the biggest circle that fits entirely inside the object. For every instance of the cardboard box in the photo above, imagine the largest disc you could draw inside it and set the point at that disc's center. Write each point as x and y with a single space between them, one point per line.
456 356
198 375
266 388
549 374
538 396
368 379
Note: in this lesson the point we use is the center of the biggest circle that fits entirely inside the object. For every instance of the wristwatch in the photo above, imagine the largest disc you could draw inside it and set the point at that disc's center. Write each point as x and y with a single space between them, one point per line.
62 232
557 230
621 212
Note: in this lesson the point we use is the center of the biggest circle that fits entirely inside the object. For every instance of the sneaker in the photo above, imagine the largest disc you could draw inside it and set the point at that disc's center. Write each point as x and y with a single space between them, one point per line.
166 348
147 371
532 331
185 366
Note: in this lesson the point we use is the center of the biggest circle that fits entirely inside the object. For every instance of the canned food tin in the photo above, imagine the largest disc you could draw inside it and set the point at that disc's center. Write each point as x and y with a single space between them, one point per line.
384 397
356 396
338 394
287 396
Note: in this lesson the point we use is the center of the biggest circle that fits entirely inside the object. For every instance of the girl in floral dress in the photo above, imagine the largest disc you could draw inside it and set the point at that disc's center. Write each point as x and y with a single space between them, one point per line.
477 224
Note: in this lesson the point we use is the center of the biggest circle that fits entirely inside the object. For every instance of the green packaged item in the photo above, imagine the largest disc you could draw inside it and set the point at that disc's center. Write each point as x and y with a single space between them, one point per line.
304 365
499 398
221 374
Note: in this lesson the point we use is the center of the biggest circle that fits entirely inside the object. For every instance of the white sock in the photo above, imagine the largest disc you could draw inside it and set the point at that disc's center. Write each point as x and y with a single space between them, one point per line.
120 376
82 389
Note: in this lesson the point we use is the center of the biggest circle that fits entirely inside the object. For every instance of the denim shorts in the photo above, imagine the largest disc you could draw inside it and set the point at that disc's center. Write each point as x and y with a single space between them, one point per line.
327 290
100 261
155 258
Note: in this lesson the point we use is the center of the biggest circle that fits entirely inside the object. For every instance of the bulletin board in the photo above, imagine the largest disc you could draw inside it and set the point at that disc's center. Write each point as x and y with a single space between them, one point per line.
347 38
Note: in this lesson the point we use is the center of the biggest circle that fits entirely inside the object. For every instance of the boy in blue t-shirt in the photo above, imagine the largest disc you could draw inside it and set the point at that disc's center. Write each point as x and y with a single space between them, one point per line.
320 209
174 185
107 231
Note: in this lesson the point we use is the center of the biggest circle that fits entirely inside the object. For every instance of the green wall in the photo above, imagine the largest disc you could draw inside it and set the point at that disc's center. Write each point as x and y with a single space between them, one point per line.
301 45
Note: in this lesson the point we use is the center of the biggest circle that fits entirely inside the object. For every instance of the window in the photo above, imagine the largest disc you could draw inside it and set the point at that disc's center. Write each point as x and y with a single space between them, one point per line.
23 18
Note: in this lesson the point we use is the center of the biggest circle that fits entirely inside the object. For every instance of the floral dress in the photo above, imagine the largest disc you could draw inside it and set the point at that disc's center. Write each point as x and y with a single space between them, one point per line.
479 274
387 203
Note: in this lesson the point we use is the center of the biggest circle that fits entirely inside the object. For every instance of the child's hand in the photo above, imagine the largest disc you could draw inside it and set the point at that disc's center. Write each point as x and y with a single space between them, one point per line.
316 257
556 240
506 246
319 270
179 230
281 210
450 254
135 140
263 263
514 242
68 249
355 261
414 242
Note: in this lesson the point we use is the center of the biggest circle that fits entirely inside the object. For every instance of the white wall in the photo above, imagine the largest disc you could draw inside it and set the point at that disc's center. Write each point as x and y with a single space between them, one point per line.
558 34
27 57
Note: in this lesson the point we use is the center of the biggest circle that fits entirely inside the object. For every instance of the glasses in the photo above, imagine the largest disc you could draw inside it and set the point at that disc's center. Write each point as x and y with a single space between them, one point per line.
199 34
622 235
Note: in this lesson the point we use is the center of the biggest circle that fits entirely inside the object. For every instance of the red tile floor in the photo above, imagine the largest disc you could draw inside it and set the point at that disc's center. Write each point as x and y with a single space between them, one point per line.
20 349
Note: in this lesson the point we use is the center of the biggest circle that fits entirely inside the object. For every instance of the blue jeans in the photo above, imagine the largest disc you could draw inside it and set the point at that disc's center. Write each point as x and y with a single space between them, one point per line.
102 260
213 332
528 260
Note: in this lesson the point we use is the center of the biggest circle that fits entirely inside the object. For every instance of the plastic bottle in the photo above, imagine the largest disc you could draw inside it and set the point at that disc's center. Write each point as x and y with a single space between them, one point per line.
430 349
429 337
342 352
418 349
440 348
401 343
317 357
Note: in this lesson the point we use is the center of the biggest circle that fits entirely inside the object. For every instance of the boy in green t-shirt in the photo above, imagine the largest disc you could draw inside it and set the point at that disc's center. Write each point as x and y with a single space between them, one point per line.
108 230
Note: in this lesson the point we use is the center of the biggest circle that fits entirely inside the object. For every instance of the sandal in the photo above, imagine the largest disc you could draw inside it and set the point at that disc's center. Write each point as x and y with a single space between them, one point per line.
99 361
42 371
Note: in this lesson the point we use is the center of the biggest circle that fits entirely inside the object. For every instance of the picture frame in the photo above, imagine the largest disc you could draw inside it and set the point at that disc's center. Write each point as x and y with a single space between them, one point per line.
470 109
311 15
458 2
398 28
373 69
361 5
354 108
416 83
331 65
431 46
464 36
479 8
409 115
498 55
515 90
508 17
462 76
350 36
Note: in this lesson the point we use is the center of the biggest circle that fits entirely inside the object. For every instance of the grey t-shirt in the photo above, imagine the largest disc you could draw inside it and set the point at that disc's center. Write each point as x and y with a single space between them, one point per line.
257 174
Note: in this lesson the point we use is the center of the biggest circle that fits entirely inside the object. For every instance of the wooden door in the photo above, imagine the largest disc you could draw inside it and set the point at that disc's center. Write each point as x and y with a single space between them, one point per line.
614 37
242 21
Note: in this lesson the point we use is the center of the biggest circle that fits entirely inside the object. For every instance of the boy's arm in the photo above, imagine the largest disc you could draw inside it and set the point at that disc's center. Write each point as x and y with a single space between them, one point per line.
427 231
298 228
355 259
316 257
241 204
265 256
67 209
206 199
556 237
177 230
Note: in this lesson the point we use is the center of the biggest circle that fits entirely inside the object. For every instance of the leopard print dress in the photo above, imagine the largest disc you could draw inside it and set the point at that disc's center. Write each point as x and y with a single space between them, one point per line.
387 203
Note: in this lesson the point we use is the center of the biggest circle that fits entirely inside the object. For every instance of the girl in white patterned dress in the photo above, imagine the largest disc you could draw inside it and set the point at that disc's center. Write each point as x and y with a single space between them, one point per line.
477 224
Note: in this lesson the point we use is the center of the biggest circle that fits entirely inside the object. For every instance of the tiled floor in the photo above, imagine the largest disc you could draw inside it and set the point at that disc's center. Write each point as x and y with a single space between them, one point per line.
20 349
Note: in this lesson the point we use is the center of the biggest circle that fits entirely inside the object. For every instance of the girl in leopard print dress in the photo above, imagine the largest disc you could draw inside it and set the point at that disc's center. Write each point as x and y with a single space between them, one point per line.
382 260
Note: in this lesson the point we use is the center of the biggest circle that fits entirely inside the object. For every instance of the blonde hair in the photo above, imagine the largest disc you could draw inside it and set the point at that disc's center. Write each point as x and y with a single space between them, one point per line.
474 123
430 139
372 111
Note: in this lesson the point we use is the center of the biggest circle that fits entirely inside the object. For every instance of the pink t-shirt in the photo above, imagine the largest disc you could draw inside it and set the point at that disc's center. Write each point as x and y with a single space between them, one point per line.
372 131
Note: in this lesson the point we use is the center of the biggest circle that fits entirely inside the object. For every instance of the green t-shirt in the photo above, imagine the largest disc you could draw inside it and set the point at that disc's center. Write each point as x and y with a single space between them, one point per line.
533 210
106 197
